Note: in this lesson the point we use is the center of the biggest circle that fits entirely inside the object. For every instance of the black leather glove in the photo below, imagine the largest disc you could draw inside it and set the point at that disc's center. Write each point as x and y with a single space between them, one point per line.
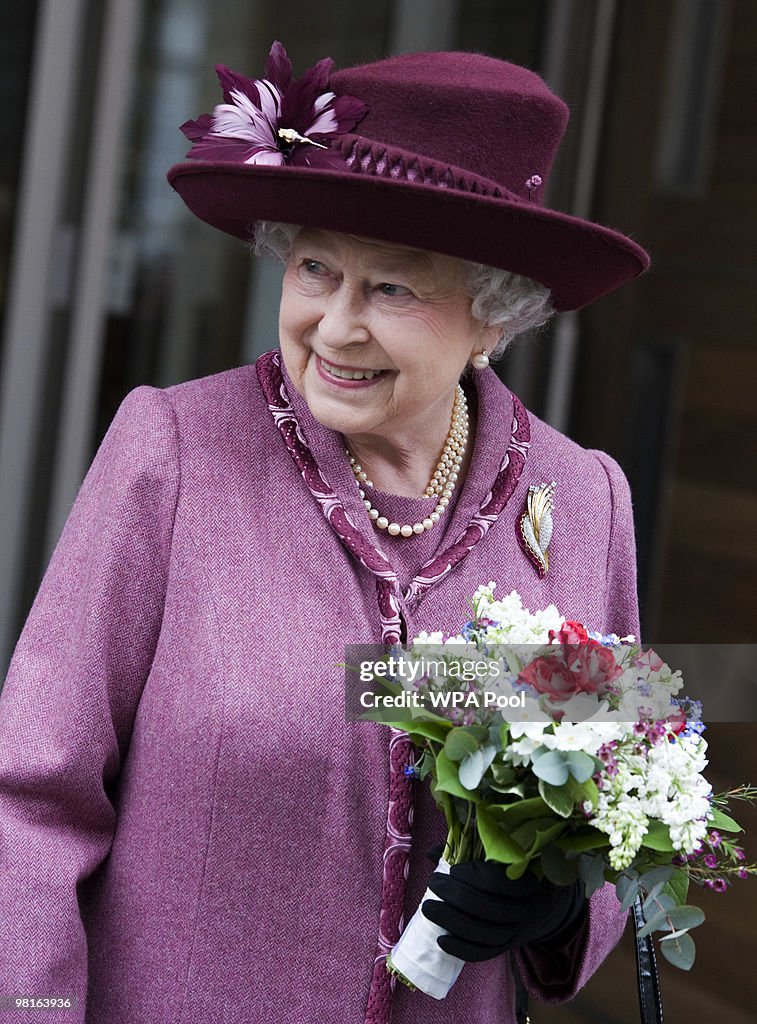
486 913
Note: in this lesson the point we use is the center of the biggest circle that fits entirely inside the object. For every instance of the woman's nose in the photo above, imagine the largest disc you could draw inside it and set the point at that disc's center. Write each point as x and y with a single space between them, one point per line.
344 319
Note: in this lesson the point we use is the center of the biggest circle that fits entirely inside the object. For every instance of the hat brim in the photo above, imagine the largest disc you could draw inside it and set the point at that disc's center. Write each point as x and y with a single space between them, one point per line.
579 261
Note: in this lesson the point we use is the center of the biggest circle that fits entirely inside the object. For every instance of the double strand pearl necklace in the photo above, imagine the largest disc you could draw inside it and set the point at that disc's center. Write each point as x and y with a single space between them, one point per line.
442 483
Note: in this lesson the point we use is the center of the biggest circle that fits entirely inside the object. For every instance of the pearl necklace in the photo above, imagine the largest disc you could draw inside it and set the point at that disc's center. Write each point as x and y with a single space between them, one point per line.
441 483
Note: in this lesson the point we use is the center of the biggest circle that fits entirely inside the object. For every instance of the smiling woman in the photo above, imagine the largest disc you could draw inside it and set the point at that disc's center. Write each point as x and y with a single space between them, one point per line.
195 831
375 337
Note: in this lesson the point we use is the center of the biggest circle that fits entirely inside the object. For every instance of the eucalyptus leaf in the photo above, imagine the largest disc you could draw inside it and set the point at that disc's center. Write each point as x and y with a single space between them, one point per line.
558 798
658 900
686 916
658 920
474 766
627 889
580 765
591 868
460 743
679 951
552 767
650 879
447 779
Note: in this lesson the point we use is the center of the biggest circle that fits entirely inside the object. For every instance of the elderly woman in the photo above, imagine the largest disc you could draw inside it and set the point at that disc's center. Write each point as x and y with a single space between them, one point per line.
189 830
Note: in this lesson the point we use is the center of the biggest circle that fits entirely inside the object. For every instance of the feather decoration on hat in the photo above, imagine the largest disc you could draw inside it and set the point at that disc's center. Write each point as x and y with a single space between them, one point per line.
274 120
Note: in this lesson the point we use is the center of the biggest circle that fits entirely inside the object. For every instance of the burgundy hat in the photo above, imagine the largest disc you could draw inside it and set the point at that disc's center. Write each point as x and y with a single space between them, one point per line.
448 152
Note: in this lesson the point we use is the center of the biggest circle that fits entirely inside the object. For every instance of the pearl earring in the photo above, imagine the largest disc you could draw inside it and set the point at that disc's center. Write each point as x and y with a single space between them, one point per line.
480 360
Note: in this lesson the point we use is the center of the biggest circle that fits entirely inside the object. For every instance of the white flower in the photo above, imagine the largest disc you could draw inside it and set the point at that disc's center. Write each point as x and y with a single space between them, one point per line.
519 753
529 720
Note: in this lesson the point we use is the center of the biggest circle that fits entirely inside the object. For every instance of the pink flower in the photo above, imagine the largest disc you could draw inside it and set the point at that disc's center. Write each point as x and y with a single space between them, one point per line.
650 660
714 839
274 120
710 860
677 722
743 873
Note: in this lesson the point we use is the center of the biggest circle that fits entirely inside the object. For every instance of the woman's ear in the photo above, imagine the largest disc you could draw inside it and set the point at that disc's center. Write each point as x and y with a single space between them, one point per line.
488 339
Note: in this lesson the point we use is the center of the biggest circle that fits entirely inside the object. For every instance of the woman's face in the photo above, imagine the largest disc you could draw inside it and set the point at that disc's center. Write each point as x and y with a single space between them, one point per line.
350 305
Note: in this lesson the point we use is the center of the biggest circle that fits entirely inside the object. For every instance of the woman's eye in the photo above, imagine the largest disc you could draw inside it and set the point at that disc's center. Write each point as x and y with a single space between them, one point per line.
393 290
313 266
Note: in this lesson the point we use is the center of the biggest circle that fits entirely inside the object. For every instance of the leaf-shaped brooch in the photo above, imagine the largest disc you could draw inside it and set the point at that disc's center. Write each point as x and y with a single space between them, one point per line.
536 525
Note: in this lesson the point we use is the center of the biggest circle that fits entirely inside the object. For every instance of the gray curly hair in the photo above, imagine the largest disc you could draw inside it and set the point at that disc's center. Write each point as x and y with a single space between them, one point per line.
517 304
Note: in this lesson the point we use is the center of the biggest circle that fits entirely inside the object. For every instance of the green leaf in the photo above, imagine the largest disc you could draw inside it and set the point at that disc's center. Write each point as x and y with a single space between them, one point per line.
474 766
503 774
678 886
686 916
425 764
658 837
429 730
724 822
679 950
498 845
581 791
459 744
515 814
556 867
504 735
516 789
580 765
447 779
552 767
545 835
558 798
584 838
517 870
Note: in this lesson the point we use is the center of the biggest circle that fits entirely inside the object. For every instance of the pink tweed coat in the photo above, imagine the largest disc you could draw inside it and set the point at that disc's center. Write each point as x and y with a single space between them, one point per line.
189 830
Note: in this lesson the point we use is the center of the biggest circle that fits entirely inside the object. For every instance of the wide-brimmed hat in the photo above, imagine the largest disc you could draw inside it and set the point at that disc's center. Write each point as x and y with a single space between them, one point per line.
448 152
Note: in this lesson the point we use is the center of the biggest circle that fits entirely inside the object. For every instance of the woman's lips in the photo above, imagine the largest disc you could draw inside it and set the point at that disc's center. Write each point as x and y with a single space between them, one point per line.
343 382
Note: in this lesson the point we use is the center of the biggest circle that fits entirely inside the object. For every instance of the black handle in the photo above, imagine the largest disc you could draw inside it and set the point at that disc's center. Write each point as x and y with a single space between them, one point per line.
650 999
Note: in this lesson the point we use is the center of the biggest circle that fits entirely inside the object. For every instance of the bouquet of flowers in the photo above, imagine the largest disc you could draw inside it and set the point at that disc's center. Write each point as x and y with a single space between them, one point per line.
555 749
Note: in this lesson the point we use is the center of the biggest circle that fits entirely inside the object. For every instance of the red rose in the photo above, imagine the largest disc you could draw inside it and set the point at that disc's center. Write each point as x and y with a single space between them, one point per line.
570 633
580 668
595 665
551 676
